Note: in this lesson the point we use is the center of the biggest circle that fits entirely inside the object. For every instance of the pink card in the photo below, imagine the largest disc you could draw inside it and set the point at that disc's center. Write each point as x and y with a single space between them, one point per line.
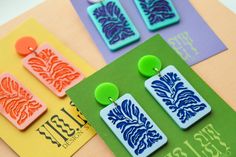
52 70
17 103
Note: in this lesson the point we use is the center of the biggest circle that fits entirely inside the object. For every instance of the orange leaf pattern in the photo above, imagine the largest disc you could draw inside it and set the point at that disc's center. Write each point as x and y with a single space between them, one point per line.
52 70
16 101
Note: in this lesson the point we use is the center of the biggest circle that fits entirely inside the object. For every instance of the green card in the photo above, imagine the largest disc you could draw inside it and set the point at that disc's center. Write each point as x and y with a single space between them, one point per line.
214 135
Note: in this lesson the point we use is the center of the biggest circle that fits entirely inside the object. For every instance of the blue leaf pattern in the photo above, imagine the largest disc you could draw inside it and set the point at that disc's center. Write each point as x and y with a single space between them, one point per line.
177 97
113 22
134 126
157 10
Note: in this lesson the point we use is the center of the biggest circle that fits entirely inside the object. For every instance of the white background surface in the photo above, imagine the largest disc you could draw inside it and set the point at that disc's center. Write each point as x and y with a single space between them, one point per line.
10 9
230 4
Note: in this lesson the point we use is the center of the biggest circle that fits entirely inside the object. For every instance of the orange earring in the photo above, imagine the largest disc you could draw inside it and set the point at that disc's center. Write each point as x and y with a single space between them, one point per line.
48 66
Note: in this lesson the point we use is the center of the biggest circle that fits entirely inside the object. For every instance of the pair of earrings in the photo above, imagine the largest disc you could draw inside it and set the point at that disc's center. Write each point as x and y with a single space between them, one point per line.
17 104
132 125
115 26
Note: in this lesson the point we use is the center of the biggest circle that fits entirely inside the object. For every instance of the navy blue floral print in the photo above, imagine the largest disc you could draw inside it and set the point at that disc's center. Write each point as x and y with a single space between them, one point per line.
157 10
114 24
177 96
134 126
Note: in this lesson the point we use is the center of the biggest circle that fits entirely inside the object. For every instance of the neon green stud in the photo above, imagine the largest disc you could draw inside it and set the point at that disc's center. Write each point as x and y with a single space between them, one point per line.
149 65
106 92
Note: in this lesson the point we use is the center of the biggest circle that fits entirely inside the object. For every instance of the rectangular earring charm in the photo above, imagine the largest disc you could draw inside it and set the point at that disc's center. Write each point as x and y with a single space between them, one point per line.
17 104
157 13
133 127
177 96
113 24
52 70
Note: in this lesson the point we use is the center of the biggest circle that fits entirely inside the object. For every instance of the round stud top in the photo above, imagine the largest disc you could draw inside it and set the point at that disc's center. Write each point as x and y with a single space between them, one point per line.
25 46
106 92
149 65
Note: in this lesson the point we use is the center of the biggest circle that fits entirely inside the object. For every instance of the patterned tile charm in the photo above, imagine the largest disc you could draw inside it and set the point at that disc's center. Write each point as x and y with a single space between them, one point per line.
157 13
175 94
133 127
113 24
52 70
17 104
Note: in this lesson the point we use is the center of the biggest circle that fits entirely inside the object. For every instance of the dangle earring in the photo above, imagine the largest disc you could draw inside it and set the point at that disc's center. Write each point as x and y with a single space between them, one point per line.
128 121
46 64
18 104
113 23
157 13
173 92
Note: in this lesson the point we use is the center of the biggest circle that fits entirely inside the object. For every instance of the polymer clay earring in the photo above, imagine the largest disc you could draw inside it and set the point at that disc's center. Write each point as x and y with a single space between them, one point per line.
46 64
113 24
18 104
157 13
128 121
173 92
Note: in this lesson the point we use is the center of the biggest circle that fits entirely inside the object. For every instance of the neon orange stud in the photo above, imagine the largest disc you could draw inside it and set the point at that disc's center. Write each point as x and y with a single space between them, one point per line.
26 45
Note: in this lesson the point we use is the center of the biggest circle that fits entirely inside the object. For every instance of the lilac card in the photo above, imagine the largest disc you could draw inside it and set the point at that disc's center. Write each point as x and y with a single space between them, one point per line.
192 38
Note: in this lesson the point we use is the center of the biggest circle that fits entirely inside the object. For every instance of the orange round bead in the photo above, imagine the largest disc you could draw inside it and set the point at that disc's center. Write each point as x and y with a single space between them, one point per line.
26 45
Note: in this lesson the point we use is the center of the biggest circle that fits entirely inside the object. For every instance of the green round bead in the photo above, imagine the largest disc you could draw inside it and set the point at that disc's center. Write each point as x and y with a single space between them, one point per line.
147 65
105 91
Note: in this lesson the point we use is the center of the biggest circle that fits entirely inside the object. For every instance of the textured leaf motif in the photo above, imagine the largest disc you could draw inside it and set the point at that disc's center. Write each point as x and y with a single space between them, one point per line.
157 10
16 101
136 129
114 24
177 97
53 70
161 89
